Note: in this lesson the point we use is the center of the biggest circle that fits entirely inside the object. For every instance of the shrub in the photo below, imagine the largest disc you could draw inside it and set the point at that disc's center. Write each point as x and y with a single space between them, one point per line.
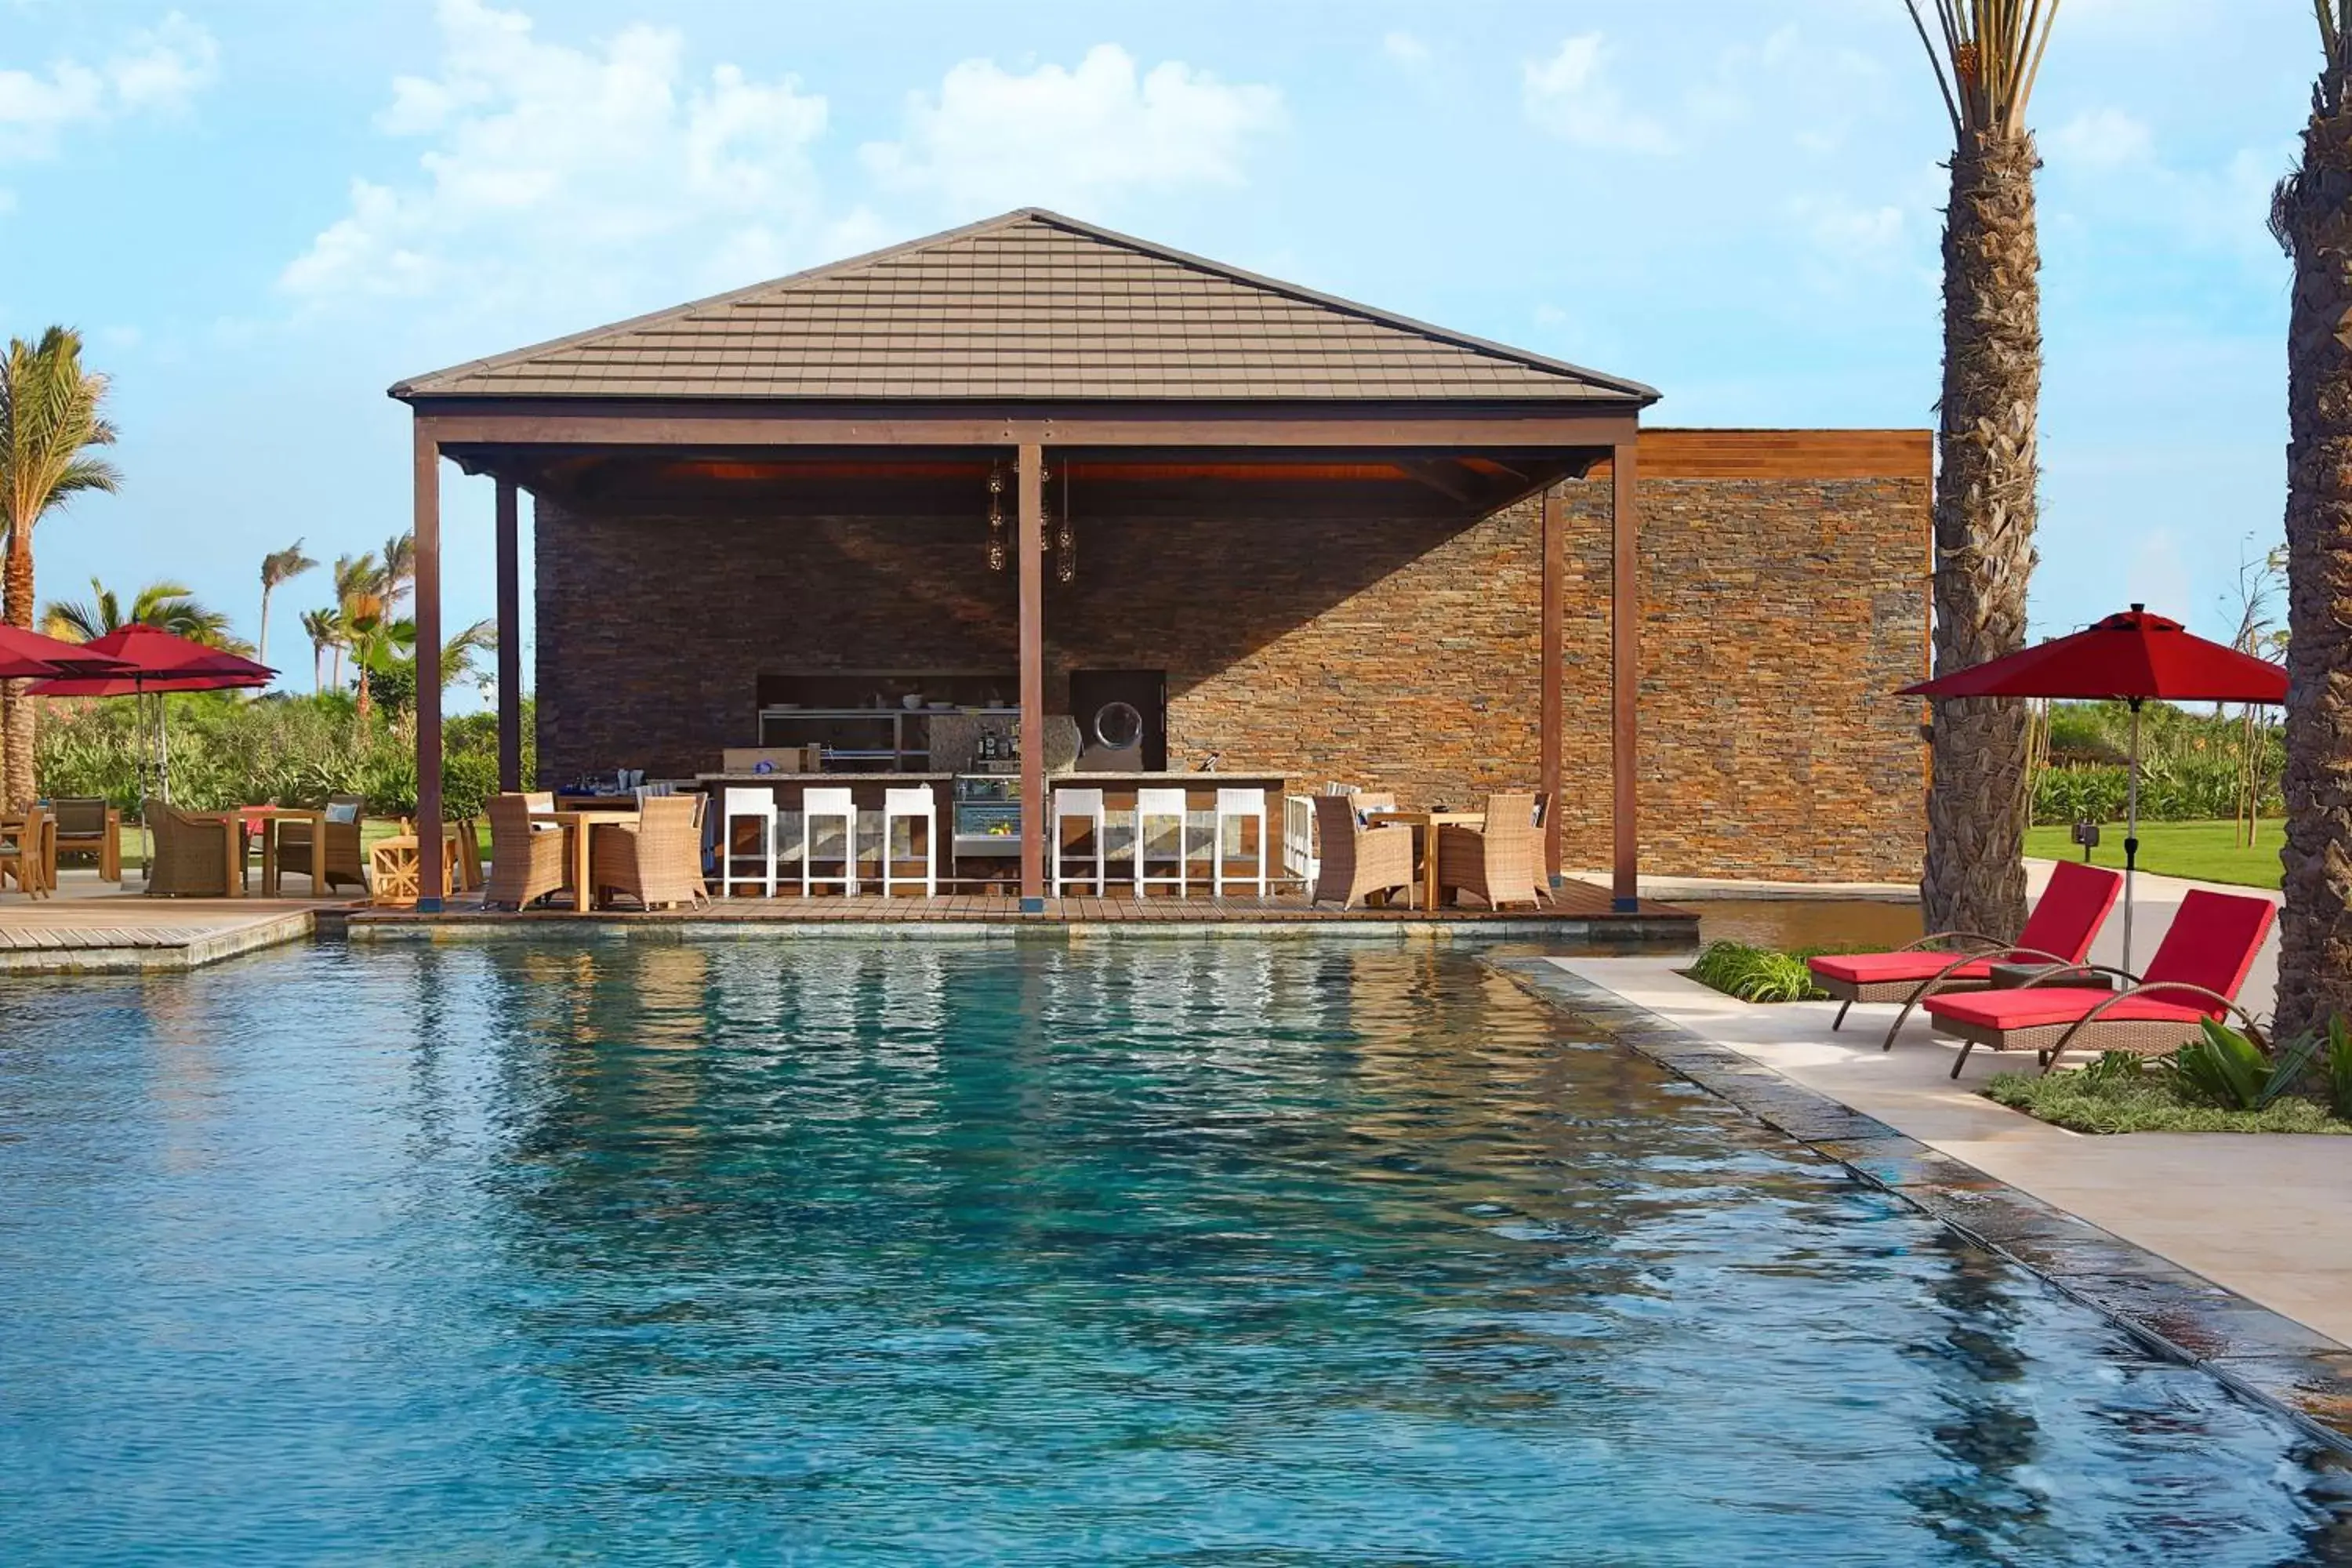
2336 1068
1756 974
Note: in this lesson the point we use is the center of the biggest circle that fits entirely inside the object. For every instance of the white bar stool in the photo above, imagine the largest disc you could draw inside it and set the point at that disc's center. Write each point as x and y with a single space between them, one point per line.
1238 805
746 805
913 805
1079 805
1159 804
829 806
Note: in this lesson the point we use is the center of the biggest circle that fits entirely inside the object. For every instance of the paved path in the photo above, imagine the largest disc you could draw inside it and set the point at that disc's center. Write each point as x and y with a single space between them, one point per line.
2267 1216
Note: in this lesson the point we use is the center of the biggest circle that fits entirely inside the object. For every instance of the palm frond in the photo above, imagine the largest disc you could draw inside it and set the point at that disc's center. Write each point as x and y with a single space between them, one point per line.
280 565
50 414
1987 56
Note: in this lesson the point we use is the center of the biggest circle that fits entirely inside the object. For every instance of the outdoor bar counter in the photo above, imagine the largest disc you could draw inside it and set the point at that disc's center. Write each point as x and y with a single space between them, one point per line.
967 853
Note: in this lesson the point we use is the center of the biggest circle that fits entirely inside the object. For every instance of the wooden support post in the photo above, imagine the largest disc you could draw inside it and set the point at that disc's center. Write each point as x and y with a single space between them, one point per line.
1555 567
1624 677
1030 556
429 862
509 643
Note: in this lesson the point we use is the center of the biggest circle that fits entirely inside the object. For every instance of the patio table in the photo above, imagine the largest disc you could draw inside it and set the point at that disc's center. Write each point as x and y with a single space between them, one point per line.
579 826
1426 825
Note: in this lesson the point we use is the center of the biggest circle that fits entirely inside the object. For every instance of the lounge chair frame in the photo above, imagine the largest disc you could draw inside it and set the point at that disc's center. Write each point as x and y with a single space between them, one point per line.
2141 1036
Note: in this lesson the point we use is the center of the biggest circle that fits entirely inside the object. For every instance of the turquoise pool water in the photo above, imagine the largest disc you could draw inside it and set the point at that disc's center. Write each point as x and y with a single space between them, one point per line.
1183 1252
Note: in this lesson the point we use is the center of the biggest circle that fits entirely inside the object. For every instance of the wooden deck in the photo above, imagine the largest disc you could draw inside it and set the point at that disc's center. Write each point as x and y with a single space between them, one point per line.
93 929
1581 911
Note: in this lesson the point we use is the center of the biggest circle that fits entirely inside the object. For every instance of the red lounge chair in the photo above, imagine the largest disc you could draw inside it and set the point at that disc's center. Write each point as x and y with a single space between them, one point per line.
2058 931
2194 976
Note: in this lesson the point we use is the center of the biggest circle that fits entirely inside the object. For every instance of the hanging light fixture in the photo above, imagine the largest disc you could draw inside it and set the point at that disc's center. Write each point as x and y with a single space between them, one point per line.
1065 543
996 552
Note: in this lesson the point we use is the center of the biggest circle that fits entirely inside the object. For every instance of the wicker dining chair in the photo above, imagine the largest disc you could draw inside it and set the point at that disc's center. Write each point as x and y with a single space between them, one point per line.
1354 861
193 856
343 859
1498 860
656 859
526 860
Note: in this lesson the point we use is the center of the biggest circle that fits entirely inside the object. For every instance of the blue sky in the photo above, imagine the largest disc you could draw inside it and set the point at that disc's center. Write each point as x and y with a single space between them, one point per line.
263 211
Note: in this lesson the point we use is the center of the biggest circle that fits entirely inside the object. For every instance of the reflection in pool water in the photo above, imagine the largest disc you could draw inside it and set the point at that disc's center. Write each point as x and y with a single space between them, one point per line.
1202 1251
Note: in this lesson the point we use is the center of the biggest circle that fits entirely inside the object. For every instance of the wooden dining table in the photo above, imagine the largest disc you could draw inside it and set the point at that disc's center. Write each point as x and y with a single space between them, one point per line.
579 826
267 820
1426 825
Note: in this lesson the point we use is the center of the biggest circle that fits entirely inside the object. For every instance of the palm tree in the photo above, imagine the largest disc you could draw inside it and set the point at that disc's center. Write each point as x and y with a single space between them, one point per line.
324 633
357 577
2312 216
49 418
277 567
457 653
369 632
399 567
169 606
1985 54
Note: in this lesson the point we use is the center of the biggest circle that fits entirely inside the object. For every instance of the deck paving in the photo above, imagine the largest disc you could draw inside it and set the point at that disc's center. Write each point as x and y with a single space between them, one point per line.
89 927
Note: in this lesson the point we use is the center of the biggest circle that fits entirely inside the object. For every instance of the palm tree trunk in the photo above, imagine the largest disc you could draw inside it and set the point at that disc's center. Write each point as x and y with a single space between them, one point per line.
18 787
261 643
2313 216
1977 804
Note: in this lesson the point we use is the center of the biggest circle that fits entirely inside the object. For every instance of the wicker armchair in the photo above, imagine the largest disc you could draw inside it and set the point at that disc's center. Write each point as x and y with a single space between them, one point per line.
86 825
344 861
527 860
1355 862
25 854
193 856
1498 860
656 859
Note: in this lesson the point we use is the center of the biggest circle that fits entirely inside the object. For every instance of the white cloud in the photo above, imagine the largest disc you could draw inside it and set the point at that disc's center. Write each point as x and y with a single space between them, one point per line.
158 69
1405 48
990 138
1570 96
2102 138
555 170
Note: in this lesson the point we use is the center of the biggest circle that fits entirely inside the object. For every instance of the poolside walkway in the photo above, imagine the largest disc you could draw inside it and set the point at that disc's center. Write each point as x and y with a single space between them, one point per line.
2268 1217
92 926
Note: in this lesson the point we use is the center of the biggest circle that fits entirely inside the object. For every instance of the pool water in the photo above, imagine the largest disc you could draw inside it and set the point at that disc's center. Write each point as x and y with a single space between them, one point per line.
1172 1251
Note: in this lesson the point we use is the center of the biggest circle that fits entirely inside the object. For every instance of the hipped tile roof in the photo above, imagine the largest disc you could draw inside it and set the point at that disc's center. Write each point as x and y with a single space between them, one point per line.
1029 305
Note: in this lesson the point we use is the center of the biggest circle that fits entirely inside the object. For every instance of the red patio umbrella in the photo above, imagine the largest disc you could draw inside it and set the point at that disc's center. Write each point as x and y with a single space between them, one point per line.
157 661
2128 658
29 656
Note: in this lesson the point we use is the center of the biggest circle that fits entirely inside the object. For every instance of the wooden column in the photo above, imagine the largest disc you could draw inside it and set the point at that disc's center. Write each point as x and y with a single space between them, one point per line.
1624 675
1030 556
1555 567
429 890
509 643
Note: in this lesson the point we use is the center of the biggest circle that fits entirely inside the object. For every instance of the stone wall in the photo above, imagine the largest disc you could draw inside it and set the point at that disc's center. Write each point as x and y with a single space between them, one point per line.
1779 614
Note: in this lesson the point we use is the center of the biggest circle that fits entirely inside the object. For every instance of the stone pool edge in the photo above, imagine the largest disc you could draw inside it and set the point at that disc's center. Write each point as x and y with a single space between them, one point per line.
2260 1354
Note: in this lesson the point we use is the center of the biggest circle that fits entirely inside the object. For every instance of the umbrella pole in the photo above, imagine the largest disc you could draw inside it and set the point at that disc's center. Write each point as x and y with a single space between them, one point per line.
2131 833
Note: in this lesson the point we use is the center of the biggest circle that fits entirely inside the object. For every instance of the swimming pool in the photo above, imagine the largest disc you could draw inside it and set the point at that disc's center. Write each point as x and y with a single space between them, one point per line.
1198 1251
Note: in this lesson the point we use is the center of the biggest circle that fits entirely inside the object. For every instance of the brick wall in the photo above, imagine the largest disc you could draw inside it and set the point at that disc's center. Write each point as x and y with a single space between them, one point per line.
1779 613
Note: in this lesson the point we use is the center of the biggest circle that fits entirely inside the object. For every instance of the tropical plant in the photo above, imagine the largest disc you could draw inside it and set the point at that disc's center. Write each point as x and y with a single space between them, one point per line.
49 419
2224 1068
2311 215
370 635
167 606
1986 55
277 567
2336 1068
1756 974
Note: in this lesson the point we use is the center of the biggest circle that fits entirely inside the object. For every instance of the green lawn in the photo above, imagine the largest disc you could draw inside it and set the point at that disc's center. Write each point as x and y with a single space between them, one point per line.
2207 851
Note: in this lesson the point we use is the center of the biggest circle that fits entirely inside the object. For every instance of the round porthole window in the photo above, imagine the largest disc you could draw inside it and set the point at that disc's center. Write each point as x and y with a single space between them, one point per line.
1118 726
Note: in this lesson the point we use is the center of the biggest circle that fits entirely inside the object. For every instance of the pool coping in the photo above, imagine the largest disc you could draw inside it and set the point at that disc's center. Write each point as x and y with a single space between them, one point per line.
2261 1355
133 949
1657 935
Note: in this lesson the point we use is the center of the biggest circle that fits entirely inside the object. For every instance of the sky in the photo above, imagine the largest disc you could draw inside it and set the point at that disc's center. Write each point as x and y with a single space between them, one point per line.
262 213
